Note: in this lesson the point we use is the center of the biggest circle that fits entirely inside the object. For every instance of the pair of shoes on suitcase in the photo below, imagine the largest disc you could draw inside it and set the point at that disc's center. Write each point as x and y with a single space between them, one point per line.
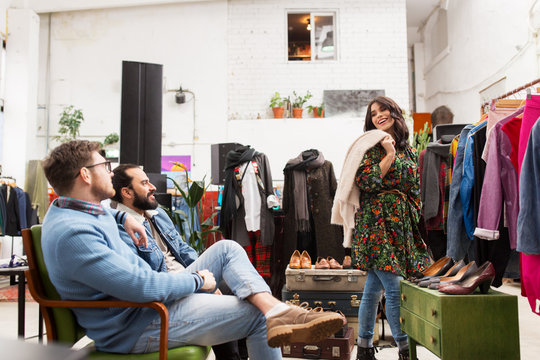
302 324
328 263
300 261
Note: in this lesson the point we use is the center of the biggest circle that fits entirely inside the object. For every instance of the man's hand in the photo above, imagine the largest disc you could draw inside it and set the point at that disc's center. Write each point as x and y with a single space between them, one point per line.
208 278
133 227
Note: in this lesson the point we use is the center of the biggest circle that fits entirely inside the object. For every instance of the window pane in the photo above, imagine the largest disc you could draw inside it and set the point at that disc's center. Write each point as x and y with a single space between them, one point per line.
325 44
299 37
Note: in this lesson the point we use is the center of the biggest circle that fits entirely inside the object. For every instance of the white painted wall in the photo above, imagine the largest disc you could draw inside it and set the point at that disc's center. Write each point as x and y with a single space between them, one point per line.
488 40
370 56
86 53
231 54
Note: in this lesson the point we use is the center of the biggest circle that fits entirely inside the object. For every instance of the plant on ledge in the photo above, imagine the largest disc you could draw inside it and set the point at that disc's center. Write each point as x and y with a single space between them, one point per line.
318 111
298 103
276 103
195 237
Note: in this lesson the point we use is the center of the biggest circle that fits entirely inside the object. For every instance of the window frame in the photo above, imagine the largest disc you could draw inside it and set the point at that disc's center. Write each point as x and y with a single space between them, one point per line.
312 14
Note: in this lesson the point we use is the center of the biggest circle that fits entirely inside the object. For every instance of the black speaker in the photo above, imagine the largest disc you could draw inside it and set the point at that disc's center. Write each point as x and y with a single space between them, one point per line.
141 111
219 158
159 181
164 199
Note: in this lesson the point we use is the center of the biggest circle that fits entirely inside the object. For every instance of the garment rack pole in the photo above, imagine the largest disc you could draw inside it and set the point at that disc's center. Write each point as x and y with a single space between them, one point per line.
528 85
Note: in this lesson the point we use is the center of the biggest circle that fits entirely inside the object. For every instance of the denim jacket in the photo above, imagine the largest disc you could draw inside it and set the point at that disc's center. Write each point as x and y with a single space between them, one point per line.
458 245
528 224
183 253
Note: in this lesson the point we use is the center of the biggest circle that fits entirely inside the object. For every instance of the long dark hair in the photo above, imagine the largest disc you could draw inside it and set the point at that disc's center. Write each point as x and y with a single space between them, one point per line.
401 132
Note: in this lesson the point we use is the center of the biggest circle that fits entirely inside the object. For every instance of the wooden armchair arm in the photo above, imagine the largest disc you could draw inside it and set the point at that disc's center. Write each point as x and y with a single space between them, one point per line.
159 307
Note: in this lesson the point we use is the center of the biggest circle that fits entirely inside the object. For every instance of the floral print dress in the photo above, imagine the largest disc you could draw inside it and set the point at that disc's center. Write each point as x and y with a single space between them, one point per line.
386 235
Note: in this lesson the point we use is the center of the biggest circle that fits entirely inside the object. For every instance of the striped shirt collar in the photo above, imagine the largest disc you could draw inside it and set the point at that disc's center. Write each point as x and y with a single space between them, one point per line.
80 205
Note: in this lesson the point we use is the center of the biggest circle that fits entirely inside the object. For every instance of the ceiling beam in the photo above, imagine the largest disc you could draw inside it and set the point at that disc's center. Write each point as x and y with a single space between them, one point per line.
49 6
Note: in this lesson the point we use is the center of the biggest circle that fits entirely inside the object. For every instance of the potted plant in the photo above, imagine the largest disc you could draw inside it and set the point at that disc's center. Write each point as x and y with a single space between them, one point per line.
193 193
318 111
298 103
70 122
276 103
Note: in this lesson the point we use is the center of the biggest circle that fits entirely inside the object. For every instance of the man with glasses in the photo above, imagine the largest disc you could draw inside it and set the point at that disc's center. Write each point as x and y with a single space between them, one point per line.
87 259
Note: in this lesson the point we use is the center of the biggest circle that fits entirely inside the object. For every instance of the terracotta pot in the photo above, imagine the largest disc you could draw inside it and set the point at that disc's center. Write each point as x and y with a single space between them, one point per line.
278 112
297 113
316 113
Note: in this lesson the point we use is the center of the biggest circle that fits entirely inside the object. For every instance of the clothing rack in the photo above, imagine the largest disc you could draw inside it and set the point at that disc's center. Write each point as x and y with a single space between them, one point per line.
512 92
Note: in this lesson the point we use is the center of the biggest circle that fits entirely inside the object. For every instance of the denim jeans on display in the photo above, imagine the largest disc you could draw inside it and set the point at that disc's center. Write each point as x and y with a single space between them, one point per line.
207 319
376 281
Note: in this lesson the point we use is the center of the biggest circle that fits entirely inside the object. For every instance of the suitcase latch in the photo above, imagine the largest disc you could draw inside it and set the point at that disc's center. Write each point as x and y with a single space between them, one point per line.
354 301
351 278
296 299
335 351
286 350
300 276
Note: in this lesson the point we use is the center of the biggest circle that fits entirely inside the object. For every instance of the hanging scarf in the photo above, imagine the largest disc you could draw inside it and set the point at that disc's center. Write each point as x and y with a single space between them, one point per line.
307 160
347 197
229 206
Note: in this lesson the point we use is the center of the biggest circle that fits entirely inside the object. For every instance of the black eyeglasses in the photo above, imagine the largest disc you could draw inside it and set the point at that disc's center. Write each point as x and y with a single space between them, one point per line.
106 163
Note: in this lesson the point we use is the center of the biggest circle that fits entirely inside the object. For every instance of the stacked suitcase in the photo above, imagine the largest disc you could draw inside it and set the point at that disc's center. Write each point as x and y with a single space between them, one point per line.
331 289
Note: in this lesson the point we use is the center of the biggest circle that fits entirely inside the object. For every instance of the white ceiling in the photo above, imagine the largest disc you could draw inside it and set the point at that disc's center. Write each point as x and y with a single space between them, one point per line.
419 10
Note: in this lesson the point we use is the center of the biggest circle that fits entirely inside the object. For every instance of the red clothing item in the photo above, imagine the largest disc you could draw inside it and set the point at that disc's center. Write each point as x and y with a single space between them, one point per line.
512 130
259 255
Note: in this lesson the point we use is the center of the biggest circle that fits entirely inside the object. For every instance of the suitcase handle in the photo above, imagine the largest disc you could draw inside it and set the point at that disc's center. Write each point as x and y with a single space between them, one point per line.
311 355
335 278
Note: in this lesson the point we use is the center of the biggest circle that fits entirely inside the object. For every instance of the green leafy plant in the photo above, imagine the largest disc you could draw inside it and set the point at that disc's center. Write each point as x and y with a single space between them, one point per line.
110 139
299 101
421 139
276 100
70 122
319 109
193 196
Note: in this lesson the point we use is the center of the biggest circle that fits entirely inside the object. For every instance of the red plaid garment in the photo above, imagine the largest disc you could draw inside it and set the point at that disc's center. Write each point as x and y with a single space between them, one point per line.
259 255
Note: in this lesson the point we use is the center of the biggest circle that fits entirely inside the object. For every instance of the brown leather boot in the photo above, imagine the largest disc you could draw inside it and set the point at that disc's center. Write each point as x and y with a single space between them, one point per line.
300 325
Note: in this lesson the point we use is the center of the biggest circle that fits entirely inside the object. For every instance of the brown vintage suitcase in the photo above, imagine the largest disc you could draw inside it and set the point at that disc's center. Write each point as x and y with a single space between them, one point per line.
347 302
325 279
331 348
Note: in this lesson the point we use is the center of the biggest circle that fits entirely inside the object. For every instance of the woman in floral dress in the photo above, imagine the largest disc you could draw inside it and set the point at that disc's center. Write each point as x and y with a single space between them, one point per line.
386 241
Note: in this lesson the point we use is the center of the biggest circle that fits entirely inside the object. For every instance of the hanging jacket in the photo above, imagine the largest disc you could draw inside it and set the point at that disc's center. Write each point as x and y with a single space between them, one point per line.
467 181
235 228
457 245
500 182
528 224
321 190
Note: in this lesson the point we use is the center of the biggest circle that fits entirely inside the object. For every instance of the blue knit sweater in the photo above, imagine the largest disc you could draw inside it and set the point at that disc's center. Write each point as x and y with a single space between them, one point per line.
87 260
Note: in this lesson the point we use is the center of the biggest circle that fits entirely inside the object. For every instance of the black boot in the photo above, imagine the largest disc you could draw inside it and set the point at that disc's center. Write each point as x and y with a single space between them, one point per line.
366 353
404 354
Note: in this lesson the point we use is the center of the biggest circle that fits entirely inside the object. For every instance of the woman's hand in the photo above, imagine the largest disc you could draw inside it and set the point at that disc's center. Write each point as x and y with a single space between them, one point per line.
388 144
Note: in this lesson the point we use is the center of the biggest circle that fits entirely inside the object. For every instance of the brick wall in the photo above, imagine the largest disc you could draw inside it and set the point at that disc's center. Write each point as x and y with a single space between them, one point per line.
371 45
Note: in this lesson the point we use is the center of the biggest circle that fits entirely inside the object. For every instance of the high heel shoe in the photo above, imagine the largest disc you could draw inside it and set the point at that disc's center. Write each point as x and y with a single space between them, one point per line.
305 260
463 273
451 272
294 262
481 278
440 267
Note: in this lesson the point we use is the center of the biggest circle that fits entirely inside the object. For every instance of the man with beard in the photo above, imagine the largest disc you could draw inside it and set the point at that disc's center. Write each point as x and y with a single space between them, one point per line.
87 260
134 194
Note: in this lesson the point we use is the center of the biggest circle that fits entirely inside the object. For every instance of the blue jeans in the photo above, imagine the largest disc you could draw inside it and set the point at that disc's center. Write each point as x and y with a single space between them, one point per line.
376 281
209 319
